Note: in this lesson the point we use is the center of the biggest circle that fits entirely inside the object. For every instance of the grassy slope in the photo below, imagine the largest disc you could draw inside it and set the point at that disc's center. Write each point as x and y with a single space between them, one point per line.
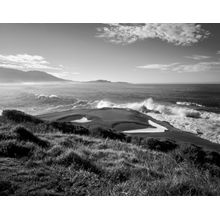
40 158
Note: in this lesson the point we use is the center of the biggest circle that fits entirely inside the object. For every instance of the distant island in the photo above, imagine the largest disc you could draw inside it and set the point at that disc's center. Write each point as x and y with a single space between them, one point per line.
99 81
8 75
105 81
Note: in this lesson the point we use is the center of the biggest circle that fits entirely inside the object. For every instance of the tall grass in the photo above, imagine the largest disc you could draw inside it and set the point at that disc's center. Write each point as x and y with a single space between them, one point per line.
63 159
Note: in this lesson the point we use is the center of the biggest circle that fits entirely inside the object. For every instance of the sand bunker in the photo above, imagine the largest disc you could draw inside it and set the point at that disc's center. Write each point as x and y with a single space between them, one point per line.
158 128
82 120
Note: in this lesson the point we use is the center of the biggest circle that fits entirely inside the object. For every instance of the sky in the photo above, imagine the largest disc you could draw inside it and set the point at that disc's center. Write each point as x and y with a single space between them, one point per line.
136 53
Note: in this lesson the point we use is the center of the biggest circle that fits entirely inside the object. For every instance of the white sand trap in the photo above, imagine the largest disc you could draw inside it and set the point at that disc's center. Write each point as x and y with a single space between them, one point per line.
158 128
82 120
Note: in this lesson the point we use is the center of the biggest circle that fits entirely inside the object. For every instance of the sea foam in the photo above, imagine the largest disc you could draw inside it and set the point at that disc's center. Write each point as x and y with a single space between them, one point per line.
42 96
189 104
149 104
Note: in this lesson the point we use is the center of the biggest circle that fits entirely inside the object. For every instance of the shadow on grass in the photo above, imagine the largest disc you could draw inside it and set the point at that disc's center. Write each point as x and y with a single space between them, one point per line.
15 149
73 158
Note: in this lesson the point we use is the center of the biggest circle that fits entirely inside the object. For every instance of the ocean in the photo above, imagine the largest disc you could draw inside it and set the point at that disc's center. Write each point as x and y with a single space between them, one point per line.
189 107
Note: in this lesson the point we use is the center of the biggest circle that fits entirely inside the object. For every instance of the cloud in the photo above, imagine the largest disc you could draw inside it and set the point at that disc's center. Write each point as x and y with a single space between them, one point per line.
162 67
198 57
180 68
198 67
218 52
178 34
26 62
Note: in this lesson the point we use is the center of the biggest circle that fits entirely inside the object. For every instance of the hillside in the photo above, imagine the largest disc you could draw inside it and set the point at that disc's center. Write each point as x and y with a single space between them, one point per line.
39 157
18 76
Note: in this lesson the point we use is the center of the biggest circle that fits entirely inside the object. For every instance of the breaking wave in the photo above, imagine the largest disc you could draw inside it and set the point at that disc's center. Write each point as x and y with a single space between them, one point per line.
149 105
203 123
189 104
42 96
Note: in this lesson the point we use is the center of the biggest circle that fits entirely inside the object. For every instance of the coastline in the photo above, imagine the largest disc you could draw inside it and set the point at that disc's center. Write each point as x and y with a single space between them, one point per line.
121 119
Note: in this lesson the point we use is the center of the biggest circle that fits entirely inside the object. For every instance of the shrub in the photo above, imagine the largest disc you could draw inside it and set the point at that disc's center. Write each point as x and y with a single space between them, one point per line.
188 188
40 128
164 146
14 149
193 154
213 158
137 140
67 127
6 188
199 157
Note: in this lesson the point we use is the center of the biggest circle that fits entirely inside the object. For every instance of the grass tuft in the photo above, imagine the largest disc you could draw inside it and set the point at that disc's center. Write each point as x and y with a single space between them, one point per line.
77 161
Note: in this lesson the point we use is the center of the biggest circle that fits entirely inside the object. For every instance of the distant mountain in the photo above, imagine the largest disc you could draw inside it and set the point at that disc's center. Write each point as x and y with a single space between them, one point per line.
18 76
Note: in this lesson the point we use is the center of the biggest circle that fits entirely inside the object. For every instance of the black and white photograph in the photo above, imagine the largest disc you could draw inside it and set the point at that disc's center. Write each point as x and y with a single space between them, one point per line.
109 109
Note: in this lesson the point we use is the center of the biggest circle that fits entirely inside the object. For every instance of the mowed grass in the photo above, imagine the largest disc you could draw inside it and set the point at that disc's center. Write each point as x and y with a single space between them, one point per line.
50 161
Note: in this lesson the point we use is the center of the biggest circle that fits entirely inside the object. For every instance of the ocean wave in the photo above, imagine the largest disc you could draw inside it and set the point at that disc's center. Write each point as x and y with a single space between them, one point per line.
42 96
79 103
149 104
189 104
204 124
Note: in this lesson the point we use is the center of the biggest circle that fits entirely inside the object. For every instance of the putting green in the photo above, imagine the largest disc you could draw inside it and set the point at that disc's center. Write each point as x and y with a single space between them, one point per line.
127 119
